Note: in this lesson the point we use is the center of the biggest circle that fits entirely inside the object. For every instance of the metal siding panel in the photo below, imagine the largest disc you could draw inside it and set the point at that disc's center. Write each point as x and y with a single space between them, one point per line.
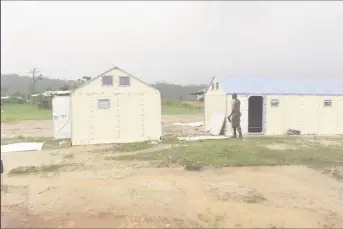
61 117
275 121
152 116
104 122
214 103
81 111
131 117
310 116
339 114
327 116
293 117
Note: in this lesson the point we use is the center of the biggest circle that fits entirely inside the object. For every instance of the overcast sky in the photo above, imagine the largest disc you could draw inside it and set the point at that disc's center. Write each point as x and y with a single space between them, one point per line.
179 42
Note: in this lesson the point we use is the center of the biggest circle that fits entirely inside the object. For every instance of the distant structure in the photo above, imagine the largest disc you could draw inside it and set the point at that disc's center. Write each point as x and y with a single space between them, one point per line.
278 106
114 107
199 95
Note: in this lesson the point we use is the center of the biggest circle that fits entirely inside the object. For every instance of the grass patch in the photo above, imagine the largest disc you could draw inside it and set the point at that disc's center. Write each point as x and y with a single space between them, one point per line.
249 152
20 112
176 107
132 147
28 170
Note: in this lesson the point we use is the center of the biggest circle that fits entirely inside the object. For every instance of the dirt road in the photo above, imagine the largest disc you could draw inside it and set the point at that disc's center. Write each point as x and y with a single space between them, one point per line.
43 128
95 192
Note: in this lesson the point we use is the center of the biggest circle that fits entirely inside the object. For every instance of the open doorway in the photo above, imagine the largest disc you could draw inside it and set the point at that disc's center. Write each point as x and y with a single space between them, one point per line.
255 114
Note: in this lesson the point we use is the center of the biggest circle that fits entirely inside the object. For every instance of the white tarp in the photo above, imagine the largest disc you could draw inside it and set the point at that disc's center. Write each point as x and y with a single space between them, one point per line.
198 138
216 123
22 146
192 124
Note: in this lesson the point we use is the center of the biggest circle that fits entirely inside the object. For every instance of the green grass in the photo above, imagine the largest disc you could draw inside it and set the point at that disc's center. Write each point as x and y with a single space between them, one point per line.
171 107
27 170
20 112
249 152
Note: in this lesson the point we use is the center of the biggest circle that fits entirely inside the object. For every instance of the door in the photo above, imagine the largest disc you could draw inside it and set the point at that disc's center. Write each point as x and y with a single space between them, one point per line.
255 117
61 117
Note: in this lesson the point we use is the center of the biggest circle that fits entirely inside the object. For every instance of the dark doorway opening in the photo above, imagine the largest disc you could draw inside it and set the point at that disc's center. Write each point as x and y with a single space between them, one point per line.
255 113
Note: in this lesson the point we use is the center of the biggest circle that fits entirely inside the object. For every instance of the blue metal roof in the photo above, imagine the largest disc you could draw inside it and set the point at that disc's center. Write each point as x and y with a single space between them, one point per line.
277 85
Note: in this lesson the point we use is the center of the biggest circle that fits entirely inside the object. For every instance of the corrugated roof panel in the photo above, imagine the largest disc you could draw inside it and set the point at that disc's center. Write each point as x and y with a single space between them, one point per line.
277 85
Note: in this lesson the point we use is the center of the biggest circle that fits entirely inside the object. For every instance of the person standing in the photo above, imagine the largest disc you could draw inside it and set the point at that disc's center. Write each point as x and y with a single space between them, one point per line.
235 116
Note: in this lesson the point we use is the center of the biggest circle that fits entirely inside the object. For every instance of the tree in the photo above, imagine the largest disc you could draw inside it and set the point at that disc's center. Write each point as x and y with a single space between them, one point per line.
64 87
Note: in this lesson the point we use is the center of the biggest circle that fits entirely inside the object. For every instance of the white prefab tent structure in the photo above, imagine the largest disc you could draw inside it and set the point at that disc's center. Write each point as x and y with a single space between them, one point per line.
271 106
114 107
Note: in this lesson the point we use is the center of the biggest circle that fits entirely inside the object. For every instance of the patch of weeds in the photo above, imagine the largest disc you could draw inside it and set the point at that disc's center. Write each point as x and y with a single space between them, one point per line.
132 147
56 144
28 170
192 166
254 198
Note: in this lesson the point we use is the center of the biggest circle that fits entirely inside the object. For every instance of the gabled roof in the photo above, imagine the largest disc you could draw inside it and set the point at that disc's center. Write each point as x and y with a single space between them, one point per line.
200 92
277 85
91 80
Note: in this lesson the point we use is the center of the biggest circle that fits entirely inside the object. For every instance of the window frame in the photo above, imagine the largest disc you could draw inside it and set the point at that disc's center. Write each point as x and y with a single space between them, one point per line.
103 82
124 85
327 102
101 107
275 103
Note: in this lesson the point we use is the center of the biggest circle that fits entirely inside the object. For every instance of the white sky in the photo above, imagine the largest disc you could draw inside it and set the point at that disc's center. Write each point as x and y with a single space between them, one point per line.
178 42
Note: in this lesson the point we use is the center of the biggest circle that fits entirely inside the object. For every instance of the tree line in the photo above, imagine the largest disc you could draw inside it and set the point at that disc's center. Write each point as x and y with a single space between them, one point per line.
15 85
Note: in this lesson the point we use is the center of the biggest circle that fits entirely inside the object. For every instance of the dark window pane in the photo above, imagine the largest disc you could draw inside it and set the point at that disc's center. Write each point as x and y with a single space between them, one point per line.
124 81
107 80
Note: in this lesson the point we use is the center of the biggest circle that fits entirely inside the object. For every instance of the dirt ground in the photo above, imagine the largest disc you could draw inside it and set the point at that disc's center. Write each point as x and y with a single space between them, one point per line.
43 128
93 191
96 192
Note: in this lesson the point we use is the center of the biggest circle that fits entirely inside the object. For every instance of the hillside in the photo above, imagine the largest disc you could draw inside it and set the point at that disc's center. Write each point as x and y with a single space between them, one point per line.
15 84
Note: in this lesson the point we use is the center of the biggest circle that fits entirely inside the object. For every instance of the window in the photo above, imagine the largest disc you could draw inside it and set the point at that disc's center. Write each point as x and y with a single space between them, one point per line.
274 103
124 81
212 86
217 85
107 80
328 103
104 104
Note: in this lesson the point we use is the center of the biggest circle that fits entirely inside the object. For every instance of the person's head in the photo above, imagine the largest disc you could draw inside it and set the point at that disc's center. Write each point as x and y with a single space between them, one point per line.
234 96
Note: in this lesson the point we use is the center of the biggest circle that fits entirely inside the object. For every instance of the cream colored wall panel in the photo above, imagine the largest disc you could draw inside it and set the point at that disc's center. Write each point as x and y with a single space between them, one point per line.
275 116
214 103
131 108
293 109
339 113
310 116
81 112
105 125
152 116
328 116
